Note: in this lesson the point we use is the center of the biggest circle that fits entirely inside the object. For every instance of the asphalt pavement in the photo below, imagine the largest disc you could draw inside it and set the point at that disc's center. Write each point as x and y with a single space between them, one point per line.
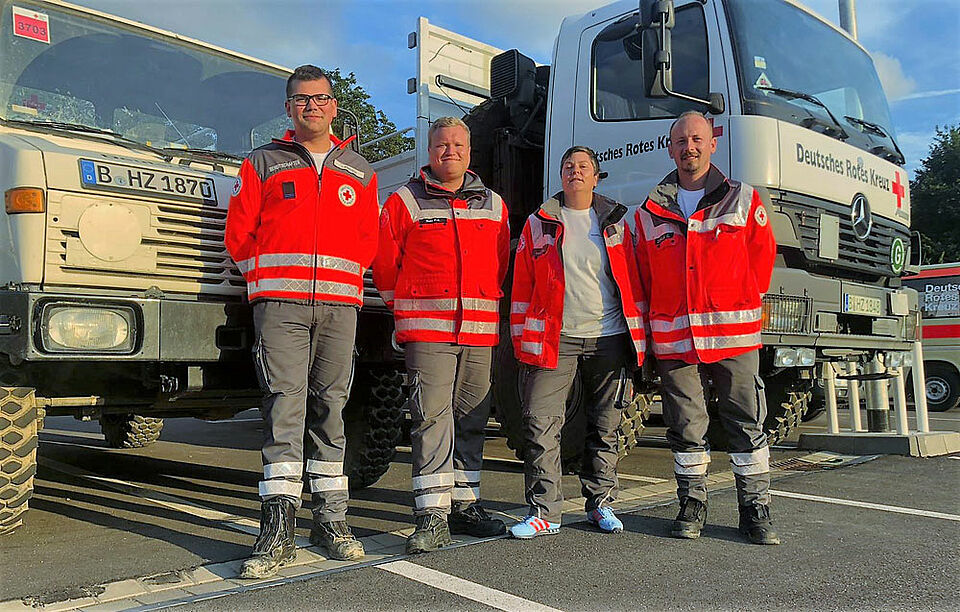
167 525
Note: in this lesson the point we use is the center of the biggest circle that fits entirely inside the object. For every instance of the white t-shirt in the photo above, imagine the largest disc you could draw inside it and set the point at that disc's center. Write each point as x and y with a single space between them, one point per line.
591 301
318 159
688 200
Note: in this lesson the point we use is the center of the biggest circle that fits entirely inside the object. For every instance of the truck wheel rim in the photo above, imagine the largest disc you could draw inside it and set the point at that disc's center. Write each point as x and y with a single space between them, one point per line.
937 389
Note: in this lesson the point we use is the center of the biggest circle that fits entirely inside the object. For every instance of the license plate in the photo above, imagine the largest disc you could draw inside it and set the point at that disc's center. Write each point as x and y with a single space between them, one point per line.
110 176
862 305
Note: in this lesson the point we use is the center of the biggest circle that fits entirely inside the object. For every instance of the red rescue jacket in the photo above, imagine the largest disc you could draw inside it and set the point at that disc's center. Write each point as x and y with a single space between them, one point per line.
442 260
704 277
536 310
299 238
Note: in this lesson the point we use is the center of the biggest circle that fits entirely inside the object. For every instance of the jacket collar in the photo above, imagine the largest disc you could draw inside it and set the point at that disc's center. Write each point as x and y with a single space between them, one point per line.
608 211
288 137
665 194
472 187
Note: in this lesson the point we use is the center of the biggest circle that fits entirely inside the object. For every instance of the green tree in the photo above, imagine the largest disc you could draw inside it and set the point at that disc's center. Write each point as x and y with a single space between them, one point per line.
373 122
935 198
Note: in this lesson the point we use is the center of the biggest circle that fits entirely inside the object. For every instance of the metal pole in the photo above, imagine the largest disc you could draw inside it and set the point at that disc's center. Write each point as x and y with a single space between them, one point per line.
900 402
920 389
830 398
848 17
853 396
878 403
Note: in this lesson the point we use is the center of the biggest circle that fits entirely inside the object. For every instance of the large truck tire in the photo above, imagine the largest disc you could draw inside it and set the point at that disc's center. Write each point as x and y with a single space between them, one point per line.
509 413
373 423
18 454
130 430
787 403
942 386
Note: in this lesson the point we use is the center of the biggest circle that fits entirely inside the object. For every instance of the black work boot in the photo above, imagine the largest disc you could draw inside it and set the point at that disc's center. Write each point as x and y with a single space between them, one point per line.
275 546
431 533
755 523
690 519
473 520
336 537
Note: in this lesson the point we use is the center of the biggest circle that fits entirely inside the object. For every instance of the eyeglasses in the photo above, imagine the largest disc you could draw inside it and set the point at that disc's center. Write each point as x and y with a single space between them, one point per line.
304 99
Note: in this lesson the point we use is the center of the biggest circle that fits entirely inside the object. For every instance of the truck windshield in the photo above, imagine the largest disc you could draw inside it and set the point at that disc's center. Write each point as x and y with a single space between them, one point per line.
61 65
781 46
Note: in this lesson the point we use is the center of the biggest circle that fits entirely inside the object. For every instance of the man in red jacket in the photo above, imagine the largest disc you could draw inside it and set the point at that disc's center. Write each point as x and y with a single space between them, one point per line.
443 255
705 251
302 227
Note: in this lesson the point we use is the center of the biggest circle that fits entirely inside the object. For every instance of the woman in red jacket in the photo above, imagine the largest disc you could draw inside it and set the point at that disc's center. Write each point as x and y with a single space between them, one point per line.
575 308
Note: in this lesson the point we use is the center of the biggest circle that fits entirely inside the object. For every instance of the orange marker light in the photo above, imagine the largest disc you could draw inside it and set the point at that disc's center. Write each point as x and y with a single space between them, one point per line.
25 200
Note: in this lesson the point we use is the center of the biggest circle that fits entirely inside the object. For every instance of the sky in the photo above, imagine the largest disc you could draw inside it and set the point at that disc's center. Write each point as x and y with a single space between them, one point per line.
913 42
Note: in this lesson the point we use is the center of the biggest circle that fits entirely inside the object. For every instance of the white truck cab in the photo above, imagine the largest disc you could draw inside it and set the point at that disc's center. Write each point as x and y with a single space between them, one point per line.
798 111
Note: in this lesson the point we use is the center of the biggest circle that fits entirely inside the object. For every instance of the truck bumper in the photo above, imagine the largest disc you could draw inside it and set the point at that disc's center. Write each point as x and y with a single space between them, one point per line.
828 321
156 330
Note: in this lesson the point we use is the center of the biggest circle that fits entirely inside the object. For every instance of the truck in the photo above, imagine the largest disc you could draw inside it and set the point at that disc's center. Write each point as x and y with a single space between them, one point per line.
120 142
119 147
799 113
938 286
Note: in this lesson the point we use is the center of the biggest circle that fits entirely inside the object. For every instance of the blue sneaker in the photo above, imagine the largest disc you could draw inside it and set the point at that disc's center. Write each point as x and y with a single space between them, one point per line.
605 519
532 527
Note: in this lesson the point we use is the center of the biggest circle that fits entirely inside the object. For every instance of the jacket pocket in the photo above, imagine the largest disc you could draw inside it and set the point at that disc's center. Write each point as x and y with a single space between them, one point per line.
761 399
260 365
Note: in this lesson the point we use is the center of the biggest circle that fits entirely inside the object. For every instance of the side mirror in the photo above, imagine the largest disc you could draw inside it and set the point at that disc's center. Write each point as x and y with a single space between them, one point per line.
717 104
659 17
652 13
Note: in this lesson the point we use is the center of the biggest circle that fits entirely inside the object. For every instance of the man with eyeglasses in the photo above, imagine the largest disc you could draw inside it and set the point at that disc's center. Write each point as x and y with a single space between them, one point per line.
302 227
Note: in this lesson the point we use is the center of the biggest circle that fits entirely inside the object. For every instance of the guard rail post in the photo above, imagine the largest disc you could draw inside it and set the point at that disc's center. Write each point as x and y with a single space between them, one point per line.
900 402
853 398
920 389
830 398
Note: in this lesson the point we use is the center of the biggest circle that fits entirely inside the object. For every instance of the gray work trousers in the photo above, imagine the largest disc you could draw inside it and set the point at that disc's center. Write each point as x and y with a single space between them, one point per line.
742 409
449 406
602 363
304 362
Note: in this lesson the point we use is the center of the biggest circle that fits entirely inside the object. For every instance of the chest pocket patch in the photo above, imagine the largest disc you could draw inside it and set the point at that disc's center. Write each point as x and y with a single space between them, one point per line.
289 190
438 221
663 238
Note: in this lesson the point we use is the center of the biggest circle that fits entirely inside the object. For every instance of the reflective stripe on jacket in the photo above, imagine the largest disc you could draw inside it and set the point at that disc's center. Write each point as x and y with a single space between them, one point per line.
704 276
442 260
536 309
299 236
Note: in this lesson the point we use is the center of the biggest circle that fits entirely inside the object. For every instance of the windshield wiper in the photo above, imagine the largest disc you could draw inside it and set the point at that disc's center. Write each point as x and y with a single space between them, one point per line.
204 153
791 94
86 129
896 157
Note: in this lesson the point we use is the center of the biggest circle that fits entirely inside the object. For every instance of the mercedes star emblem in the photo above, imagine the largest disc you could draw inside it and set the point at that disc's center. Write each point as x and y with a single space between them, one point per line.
861 217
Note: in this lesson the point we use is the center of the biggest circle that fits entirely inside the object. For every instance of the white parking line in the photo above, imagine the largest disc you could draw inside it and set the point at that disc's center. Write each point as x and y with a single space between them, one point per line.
859 504
954 457
646 479
463 588
238 523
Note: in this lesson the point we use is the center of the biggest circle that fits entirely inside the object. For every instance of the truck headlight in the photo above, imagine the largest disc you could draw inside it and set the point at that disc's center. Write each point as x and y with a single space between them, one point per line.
786 314
88 328
788 357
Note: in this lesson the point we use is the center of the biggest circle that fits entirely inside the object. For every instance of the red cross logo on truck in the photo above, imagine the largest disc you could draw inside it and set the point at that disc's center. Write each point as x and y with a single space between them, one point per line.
717 129
899 191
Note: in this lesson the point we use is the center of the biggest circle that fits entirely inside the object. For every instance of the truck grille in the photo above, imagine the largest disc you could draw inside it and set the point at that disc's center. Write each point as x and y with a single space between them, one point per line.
181 249
867 260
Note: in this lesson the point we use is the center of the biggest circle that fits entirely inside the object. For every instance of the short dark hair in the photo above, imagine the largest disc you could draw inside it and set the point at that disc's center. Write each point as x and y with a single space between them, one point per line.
307 72
581 149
